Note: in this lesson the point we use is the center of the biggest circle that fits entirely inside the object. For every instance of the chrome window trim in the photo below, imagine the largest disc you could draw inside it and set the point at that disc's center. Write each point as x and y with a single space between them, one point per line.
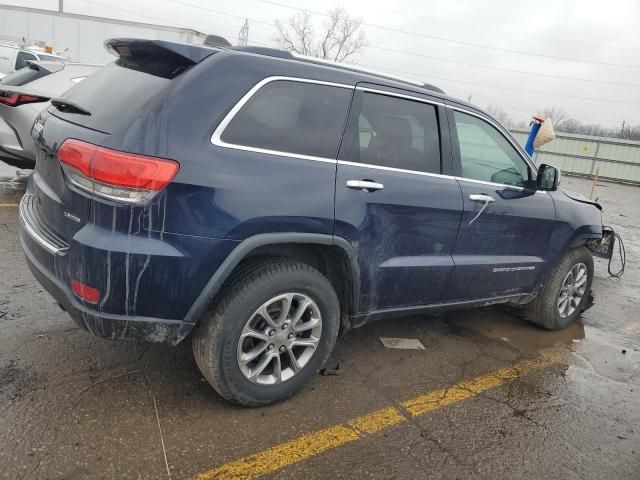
437 175
494 184
216 137
393 169
503 185
400 95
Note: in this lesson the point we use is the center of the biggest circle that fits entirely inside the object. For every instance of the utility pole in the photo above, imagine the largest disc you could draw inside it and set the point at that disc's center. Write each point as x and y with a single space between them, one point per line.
622 129
243 35
60 6
468 98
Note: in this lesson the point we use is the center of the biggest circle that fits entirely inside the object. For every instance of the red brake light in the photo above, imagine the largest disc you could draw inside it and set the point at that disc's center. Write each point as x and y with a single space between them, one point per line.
85 292
119 175
14 99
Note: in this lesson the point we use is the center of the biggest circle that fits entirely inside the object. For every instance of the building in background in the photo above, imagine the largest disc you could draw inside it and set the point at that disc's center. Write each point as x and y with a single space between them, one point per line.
80 38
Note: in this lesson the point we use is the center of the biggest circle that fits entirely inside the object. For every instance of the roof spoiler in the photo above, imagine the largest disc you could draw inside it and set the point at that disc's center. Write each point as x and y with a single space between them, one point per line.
143 55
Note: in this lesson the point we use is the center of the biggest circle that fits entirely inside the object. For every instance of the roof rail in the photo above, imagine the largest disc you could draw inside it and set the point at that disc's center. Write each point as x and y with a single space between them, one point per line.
369 71
270 52
286 54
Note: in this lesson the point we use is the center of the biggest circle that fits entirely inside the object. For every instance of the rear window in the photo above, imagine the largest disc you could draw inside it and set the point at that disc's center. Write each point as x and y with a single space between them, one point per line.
113 95
292 117
50 58
22 58
23 76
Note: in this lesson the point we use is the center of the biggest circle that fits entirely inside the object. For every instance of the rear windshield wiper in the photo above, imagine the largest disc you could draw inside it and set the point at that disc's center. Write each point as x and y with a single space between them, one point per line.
69 107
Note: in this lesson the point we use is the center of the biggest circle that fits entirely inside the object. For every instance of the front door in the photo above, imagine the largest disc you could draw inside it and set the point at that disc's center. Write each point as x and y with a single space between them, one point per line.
392 204
503 244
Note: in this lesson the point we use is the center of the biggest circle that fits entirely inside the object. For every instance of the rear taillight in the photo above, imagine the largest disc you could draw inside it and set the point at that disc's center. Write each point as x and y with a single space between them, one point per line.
14 99
115 175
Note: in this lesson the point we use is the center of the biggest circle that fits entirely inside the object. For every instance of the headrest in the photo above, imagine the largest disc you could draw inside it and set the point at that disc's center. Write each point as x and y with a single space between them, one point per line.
395 130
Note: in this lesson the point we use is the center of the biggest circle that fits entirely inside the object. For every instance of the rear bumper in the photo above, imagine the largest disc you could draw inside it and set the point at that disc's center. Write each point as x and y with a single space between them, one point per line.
105 325
148 282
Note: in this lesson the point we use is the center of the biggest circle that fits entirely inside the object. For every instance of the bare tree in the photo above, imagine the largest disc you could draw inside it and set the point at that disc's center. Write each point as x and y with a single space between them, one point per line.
572 125
340 38
556 114
500 115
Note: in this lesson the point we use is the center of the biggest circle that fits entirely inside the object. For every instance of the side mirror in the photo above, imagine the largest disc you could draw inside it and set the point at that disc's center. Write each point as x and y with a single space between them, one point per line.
548 177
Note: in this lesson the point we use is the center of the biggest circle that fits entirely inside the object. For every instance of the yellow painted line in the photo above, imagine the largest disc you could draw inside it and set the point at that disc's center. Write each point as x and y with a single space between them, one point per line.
312 444
9 205
378 420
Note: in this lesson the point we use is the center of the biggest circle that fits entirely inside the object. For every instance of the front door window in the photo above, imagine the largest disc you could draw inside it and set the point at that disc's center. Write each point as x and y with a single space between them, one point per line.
486 155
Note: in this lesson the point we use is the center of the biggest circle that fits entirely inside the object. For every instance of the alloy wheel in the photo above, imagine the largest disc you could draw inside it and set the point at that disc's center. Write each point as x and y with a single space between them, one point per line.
572 290
279 339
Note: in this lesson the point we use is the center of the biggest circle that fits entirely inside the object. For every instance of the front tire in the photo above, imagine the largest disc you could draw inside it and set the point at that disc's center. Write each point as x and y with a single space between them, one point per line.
565 293
271 330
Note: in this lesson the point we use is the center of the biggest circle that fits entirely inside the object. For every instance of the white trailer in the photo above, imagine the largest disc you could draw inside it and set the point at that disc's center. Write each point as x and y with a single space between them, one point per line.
81 37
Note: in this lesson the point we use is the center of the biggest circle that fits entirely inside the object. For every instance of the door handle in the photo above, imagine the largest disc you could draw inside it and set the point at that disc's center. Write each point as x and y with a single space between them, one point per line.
485 199
367 185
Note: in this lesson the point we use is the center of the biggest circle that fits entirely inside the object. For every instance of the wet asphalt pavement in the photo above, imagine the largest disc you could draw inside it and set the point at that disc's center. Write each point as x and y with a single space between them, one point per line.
78 407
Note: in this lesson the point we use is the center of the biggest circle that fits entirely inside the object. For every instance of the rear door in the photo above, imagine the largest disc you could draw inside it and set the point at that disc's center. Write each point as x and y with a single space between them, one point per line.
393 204
503 243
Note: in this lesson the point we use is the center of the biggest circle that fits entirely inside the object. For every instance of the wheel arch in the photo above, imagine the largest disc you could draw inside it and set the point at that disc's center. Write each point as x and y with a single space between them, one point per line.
332 256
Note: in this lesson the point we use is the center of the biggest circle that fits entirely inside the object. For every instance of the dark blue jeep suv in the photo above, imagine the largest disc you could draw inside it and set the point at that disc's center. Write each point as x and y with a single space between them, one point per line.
263 202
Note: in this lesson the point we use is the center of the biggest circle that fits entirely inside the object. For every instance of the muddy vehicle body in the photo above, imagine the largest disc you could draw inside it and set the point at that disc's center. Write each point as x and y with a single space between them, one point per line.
260 203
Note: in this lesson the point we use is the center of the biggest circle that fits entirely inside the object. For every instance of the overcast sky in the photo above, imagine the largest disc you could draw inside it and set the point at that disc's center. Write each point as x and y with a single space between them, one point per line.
580 55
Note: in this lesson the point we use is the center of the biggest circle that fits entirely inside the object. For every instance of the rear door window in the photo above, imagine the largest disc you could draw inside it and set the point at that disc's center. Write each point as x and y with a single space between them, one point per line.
287 116
394 132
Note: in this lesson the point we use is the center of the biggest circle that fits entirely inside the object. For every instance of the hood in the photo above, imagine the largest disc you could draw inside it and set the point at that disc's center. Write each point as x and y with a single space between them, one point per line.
578 197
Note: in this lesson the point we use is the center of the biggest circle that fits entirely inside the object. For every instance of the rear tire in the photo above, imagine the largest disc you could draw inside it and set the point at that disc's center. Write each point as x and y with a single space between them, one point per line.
261 289
565 293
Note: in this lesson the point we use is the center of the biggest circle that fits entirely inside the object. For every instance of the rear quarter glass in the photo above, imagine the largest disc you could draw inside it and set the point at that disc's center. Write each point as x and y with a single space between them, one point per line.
291 116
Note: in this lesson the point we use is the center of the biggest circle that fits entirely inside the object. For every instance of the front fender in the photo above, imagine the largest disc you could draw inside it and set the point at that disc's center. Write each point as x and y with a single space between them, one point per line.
577 223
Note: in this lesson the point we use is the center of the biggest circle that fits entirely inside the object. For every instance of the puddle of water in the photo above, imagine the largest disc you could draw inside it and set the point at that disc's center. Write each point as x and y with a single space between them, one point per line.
502 326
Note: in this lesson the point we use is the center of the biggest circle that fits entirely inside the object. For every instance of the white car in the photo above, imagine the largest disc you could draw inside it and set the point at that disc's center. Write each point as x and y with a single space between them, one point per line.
23 95
14 56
